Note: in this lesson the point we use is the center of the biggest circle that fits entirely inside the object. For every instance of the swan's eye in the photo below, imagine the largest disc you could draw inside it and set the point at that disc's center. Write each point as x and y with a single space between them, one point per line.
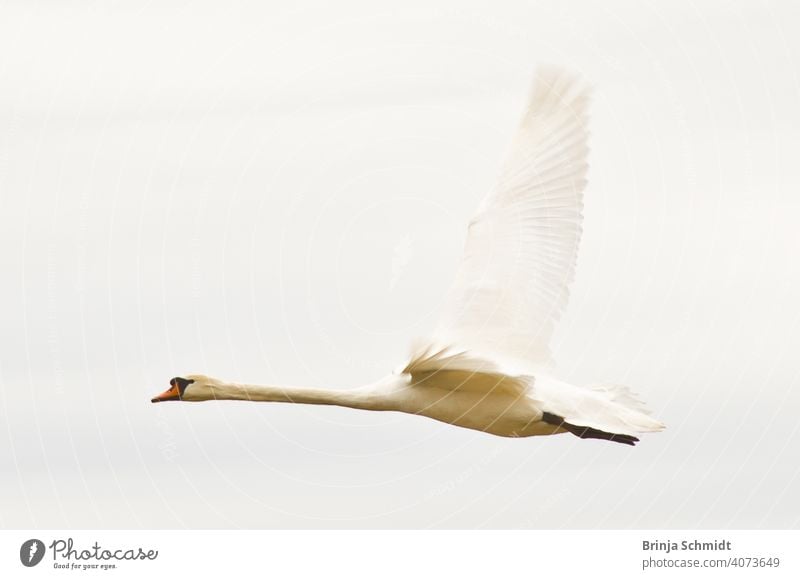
180 383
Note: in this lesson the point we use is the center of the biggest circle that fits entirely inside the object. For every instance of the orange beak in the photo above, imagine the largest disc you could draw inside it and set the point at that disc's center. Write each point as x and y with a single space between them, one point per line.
172 394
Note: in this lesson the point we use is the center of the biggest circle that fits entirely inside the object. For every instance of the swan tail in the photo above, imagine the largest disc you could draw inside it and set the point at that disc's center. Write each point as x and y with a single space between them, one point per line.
604 411
628 408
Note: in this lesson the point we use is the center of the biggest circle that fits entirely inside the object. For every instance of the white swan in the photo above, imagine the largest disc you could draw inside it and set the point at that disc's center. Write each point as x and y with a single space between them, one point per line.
485 367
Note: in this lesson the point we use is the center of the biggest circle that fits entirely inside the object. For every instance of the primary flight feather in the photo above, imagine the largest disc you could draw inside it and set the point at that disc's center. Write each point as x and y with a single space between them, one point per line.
486 366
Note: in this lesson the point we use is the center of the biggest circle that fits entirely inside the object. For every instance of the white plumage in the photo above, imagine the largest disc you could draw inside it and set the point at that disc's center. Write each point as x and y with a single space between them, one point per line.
486 366
523 242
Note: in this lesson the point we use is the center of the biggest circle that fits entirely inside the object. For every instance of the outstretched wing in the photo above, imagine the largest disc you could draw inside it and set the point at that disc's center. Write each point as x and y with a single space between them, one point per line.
522 244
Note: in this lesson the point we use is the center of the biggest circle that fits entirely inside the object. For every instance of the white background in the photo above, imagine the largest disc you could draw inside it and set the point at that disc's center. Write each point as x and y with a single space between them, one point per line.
279 194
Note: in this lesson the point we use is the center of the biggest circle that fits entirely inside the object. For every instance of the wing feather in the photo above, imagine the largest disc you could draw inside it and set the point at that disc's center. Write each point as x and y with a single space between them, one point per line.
522 244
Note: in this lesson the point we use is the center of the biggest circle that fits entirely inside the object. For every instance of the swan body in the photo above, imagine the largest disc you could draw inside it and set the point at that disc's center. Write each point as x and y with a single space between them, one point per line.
487 364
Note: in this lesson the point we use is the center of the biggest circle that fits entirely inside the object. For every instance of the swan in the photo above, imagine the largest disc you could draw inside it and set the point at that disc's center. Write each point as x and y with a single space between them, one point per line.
487 366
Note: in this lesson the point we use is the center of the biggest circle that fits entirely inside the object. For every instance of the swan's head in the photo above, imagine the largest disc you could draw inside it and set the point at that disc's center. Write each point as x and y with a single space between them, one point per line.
192 387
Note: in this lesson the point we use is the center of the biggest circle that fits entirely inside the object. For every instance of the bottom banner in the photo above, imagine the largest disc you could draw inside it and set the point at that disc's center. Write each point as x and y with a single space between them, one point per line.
350 554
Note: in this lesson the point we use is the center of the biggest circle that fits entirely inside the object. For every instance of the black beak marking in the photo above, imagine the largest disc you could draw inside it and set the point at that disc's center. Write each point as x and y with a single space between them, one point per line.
181 383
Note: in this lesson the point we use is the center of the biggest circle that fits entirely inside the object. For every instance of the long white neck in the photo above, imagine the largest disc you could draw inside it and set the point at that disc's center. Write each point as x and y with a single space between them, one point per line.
371 397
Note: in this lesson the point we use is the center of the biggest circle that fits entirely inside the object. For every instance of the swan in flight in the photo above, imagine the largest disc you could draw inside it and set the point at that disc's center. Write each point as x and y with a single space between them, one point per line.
486 366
